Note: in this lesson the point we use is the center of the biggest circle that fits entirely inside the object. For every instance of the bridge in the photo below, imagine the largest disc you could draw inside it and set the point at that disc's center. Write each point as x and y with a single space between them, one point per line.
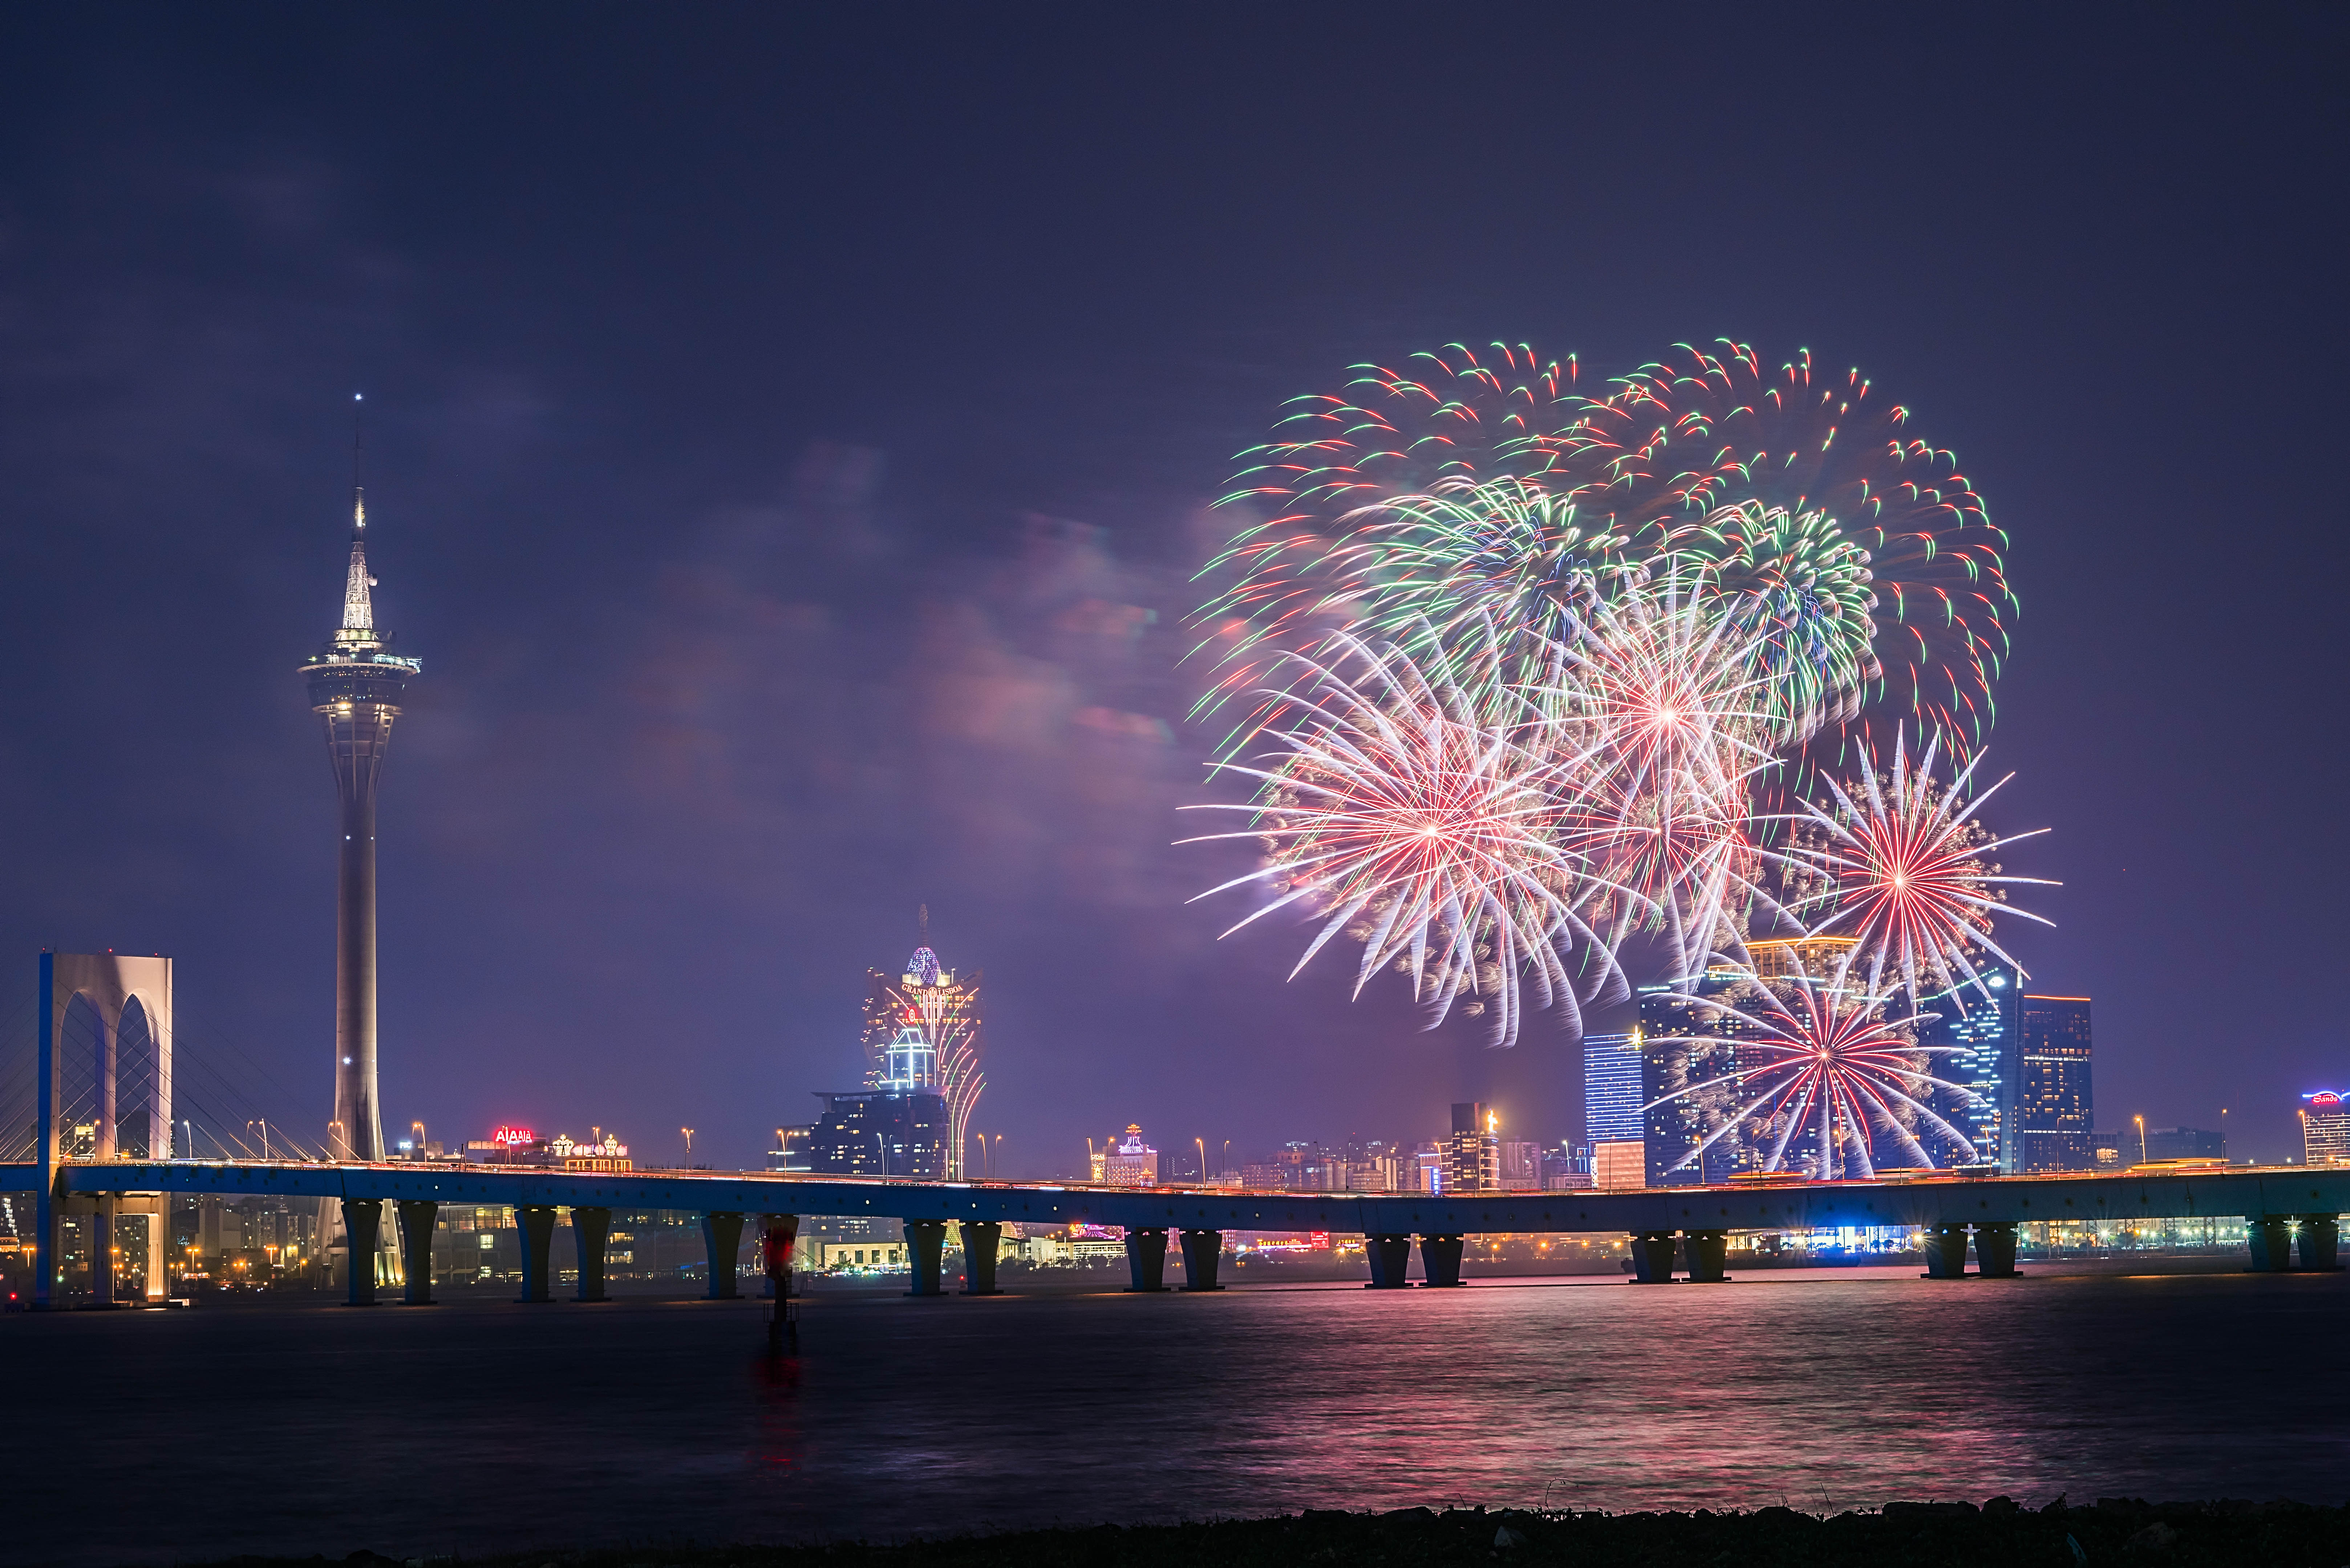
2281 1206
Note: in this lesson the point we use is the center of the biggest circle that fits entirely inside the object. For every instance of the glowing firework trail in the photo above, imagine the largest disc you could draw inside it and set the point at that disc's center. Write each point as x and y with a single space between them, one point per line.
1426 436
1862 547
1699 431
1657 711
1826 1063
1900 865
1411 804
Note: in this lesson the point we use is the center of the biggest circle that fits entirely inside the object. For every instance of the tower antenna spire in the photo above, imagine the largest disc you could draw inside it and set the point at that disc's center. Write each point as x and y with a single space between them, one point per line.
359 491
923 920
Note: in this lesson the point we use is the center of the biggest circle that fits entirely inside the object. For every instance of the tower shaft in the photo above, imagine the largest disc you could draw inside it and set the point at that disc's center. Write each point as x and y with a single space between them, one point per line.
356 736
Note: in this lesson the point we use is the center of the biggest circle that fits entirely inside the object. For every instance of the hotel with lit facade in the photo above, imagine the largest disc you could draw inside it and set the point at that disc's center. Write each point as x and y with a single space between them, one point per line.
2054 1108
2325 1127
921 1035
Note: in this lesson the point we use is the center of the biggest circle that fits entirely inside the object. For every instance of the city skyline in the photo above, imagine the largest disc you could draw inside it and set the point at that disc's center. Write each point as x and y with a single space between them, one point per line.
730 668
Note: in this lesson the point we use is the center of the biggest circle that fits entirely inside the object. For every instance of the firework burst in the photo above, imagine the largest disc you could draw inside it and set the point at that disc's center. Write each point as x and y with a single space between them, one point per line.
1861 544
1656 705
1815 1062
1410 803
1698 431
1899 862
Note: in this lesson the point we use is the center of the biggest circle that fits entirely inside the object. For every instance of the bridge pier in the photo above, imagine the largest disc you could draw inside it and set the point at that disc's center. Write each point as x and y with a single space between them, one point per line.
537 1223
1946 1251
362 1223
591 1229
1389 1257
1146 1260
722 1233
1201 1252
2271 1239
1652 1257
983 1240
417 1216
926 1239
2321 1238
1439 1259
1995 1250
1709 1256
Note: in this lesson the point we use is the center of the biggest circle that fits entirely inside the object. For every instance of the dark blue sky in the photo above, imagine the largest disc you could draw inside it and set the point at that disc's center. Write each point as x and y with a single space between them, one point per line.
791 435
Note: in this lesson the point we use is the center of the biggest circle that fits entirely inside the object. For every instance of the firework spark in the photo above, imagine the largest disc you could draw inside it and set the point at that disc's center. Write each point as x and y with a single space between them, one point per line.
1657 709
1412 803
1899 862
1863 547
1818 1062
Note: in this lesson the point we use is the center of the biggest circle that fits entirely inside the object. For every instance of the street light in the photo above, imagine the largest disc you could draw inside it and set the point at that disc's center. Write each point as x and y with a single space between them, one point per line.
689 1143
2141 1138
1202 1144
995 1157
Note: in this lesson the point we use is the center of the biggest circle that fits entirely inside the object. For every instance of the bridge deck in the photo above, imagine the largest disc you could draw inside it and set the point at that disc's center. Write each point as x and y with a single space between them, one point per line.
1935 1200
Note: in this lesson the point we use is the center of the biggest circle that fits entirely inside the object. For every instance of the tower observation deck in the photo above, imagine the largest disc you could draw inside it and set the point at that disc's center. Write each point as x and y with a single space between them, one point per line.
356 685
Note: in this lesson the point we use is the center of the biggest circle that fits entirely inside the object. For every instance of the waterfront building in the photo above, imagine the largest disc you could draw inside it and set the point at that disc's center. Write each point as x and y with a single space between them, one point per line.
1473 1153
2112 1150
921 1033
2185 1143
1566 1168
1521 1165
1980 1032
1688 1062
520 1145
2325 1128
1129 1162
879 1132
1612 1123
2054 1108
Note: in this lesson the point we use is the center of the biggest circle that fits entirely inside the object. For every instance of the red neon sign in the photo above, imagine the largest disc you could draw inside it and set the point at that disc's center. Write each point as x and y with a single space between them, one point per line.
514 1138
2324 1097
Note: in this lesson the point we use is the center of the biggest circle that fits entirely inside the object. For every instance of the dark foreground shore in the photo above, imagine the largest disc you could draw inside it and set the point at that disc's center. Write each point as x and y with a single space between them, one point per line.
2114 1531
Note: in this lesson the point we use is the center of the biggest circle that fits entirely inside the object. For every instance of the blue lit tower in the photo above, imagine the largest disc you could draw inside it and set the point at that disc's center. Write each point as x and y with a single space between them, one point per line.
356 683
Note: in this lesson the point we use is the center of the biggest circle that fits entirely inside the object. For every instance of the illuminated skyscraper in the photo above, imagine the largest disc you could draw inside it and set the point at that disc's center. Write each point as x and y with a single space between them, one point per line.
2325 1128
2055 1109
1472 1156
1612 1121
928 1008
1987 1034
356 685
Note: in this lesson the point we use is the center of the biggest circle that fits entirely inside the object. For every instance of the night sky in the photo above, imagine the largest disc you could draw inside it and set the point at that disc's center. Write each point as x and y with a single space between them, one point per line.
791 432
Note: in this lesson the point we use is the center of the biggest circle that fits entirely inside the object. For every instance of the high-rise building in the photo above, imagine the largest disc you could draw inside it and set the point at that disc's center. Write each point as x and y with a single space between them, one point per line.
876 1132
1521 1168
1978 1033
928 1008
1612 1123
1690 1083
2185 1143
2055 1112
356 683
1472 1155
2325 1128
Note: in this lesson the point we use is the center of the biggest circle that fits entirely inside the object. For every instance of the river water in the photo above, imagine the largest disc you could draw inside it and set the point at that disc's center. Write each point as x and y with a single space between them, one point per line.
150 1436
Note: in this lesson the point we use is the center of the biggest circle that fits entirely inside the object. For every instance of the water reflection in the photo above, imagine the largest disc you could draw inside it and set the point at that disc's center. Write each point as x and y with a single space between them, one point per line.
1839 1389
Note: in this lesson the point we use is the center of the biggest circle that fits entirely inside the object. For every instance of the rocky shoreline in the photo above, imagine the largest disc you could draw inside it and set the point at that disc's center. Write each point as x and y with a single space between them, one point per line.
1998 1533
